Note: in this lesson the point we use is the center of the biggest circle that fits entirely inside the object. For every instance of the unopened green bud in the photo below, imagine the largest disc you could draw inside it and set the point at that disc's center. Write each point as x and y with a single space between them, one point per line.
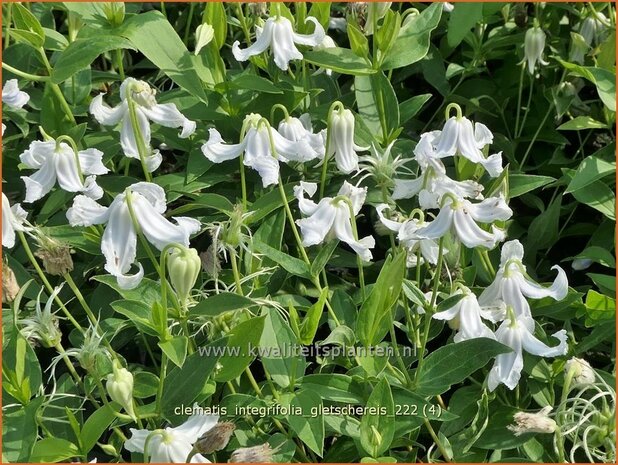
109 450
114 12
203 36
120 387
183 266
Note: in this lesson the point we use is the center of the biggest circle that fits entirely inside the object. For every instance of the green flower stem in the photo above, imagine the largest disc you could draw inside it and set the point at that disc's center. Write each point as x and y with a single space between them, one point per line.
141 146
189 21
536 134
236 272
243 23
56 88
243 182
523 122
435 438
119 62
385 200
7 37
521 86
402 365
336 106
73 145
23 74
162 375
46 283
359 262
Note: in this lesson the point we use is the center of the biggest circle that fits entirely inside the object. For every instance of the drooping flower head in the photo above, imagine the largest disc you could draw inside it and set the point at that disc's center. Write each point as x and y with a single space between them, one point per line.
278 35
141 205
341 139
12 96
13 219
534 45
58 161
300 130
262 146
333 217
139 98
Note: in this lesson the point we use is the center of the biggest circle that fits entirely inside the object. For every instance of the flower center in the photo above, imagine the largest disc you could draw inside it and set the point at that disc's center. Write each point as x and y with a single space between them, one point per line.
143 94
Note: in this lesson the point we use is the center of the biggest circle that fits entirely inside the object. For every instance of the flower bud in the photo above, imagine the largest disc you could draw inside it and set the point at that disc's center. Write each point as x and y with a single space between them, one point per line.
534 44
216 438
203 36
583 373
114 12
183 266
256 454
10 287
56 257
533 422
342 140
120 387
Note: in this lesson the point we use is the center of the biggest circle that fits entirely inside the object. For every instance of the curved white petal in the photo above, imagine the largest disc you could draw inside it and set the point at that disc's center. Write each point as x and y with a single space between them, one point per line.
470 233
106 115
86 212
167 114
439 226
356 194
306 206
446 142
493 164
91 161
137 441
314 39
535 347
282 45
196 425
152 192
467 143
153 161
12 96
263 41
217 151
511 250
482 135
449 313
390 224
91 188
41 182
342 227
470 324
189 225
37 153
558 290
429 250
300 150
489 210
407 188
127 135
512 297
315 228
259 157
66 169
507 367
342 141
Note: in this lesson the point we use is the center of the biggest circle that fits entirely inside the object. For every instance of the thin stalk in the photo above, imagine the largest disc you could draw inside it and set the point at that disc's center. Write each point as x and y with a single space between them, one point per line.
435 438
56 88
523 122
141 147
189 20
536 134
7 38
243 182
119 63
521 88
23 74
236 272
162 375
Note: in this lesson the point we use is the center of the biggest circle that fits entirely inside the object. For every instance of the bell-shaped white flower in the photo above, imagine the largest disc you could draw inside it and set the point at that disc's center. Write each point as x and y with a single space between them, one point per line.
461 217
406 234
534 45
172 445
300 130
518 334
333 217
142 98
512 284
461 137
13 219
57 162
12 96
592 29
258 152
341 140
468 314
278 35
433 181
143 203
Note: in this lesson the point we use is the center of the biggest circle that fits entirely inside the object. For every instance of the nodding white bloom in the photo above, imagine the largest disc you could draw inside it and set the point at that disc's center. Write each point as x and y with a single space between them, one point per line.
279 35
327 42
333 217
379 11
461 137
12 96
43 326
583 373
538 422
433 181
58 162
172 445
301 130
592 29
406 234
512 284
534 45
146 203
142 97
461 216
13 219
517 332
341 132
258 152
468 314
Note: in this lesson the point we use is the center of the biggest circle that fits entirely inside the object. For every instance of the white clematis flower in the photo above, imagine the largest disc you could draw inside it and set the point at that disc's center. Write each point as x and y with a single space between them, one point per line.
301 130
333 217
534 45
406 234
512 285
256 147
143 99
468 314
461 216
12 96
461 137
279 35
13 219
58 162
119 241
328 42
172 445
341 145
518 334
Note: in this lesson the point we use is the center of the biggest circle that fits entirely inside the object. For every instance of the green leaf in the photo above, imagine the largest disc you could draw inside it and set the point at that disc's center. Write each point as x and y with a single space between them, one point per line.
461 20
26 21
334 387
176 349
358 41
543 231
412 44
138 313
277 346
451 364
464 440
605 283
220 303
290 264
375 313
53 450
598 255
242 340
580 123
604 80
377 104
590 170
341 60
410 108
377 427
598 196
54 119
310 324
519 184
19 359
323 257
268 203
254 83
82 52
95 426
308 426
148 291
19 432
599 307
153 35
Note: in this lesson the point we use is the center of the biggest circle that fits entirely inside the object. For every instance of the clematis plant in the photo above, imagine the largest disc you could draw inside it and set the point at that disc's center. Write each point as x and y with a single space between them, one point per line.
333 217
139 208
534 45
278 35
61 162
138 105
13 219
